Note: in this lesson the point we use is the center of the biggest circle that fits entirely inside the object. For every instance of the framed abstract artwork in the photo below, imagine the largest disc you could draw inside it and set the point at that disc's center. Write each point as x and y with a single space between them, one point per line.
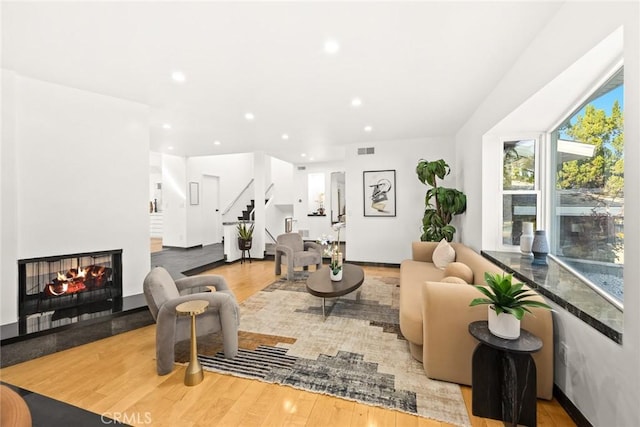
379 193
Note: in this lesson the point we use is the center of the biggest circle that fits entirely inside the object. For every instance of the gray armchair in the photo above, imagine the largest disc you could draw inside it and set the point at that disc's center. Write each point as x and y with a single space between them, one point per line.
163 294
293 252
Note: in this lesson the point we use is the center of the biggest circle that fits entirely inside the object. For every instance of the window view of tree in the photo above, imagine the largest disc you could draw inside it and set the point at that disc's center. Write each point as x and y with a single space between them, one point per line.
589 188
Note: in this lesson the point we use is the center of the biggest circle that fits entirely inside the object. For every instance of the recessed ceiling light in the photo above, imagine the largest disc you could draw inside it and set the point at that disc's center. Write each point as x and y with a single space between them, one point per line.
303 155
331 46
249 116
368 128
170 147
356 102
311 158
216 142
285 136
178 76
166 126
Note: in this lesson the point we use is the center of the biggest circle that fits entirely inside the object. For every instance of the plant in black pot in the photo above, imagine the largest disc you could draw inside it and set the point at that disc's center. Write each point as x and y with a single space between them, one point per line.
245 236
508 303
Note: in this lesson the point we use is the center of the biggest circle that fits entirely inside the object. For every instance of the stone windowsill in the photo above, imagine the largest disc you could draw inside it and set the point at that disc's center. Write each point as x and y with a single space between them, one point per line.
563 288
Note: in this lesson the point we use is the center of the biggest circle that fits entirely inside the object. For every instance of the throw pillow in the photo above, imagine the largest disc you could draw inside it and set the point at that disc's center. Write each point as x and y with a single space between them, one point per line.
443 254
461 270
454 279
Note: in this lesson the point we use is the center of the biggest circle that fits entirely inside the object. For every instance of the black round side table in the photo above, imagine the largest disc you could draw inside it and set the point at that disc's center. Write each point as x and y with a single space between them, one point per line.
503 376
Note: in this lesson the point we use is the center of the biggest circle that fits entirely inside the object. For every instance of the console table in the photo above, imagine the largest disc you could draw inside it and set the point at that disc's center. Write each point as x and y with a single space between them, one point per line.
503 376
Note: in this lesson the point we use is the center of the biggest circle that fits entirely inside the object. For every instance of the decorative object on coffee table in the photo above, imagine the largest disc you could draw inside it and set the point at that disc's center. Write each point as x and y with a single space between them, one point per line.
504 376
508 303
335 265
540 248
194 374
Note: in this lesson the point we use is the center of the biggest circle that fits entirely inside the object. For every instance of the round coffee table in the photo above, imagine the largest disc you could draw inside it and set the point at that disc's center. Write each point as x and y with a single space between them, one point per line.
320 284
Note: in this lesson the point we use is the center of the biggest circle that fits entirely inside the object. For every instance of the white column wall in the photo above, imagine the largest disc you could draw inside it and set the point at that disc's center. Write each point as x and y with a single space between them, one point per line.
601 377
388 239
283 197
8 202
79 179
174 201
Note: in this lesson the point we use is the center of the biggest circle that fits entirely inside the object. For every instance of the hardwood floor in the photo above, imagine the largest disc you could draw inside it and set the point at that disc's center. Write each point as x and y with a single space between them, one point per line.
155 244
116 377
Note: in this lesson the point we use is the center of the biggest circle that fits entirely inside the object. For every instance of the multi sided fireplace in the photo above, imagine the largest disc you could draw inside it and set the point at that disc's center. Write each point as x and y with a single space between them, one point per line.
58 290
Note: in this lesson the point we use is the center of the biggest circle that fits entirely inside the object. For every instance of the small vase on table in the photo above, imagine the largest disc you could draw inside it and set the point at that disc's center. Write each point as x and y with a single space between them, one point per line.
335 268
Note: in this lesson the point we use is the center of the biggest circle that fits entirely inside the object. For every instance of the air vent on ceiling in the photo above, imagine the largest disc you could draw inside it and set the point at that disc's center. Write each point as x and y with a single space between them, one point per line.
301 168
366 150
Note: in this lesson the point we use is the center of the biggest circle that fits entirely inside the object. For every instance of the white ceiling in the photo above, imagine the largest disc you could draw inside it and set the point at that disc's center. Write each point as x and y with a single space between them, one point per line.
420 68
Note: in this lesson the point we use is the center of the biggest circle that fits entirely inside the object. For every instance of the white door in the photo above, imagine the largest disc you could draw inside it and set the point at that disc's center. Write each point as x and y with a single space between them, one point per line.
211 210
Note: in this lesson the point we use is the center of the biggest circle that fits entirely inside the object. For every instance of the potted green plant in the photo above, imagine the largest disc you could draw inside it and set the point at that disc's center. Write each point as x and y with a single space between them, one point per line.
441 203
508 303
245 236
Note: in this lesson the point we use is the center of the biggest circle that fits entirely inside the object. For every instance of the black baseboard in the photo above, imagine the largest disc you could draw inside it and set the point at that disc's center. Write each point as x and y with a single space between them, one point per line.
374 264
570 408
203 268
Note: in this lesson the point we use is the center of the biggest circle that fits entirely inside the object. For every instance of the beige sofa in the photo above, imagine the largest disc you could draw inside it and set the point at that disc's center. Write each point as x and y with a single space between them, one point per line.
435 316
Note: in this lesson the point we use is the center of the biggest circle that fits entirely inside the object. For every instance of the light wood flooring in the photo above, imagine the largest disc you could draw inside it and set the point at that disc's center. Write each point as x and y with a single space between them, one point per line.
116 377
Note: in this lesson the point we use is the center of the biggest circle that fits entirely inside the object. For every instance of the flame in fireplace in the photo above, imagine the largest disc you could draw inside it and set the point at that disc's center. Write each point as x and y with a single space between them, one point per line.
78 280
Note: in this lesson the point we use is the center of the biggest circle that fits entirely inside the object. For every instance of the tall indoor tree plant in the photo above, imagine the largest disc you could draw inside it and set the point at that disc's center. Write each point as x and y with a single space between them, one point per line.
441 203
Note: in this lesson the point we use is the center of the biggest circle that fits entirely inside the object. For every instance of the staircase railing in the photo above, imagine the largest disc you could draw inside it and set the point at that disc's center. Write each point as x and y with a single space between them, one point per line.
237 198
251 214
270 235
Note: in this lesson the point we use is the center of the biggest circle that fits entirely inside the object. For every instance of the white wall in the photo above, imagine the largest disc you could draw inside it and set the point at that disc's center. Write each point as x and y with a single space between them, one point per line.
282 197
235 172
79 179
174 201
8 202
388 239
602 377
155 177
183 221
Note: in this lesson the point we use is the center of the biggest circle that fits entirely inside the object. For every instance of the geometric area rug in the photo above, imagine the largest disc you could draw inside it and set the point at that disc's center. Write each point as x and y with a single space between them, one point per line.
357 353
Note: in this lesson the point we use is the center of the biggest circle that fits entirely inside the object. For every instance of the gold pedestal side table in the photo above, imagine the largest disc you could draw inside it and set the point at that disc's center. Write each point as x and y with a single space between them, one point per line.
194 374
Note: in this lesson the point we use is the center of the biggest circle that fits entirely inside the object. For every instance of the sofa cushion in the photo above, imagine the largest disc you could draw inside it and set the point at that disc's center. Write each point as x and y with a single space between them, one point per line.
412 275
444 254
453 279
460 270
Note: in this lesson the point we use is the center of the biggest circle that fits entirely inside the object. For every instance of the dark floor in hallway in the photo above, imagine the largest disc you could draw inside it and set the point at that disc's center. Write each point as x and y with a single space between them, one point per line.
181 262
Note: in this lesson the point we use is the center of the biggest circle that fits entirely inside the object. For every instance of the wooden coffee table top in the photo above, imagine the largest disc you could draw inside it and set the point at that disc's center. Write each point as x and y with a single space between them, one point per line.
320 284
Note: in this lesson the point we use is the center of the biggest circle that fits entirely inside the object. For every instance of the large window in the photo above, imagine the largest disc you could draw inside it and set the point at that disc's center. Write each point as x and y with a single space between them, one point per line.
587 203
519 188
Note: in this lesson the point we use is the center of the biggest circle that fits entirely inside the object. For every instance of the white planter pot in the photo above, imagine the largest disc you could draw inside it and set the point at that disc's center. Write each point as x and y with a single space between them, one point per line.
335 277
503 325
